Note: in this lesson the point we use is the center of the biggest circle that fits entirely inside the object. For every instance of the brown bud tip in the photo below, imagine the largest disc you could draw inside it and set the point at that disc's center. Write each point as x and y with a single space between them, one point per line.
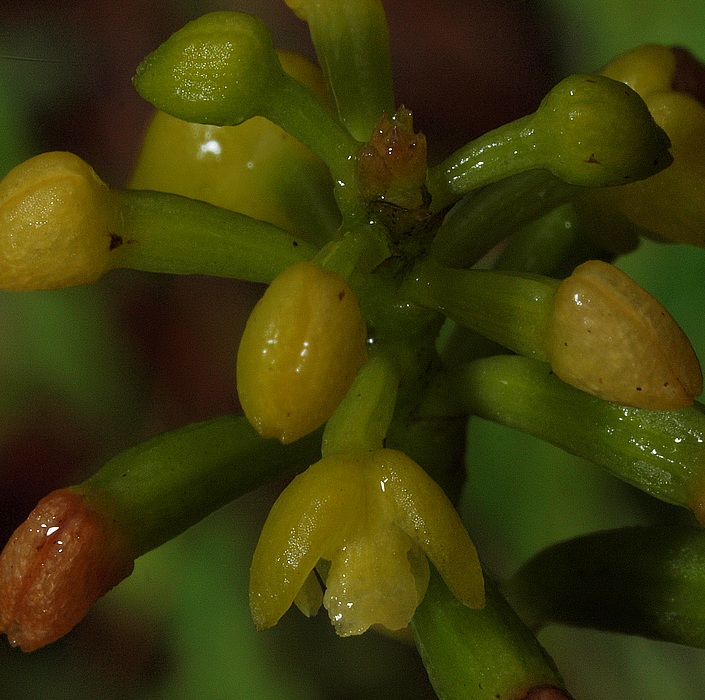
392 166
546 692
57 564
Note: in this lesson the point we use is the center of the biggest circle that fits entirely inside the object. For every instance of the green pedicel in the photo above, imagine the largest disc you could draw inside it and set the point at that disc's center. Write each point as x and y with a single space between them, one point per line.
589 131
647 581
352 45
479 654
659 452
161 232
161 487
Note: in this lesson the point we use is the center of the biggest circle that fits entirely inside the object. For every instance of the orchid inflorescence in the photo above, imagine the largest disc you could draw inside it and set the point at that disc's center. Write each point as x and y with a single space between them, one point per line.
379 336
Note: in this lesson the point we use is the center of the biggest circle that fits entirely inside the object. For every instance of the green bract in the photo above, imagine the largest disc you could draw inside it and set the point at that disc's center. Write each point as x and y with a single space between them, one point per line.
219 69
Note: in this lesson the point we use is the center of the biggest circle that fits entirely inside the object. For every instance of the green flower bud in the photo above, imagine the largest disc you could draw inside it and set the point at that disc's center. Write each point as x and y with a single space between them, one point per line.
596 131
222 69
219 69
589 131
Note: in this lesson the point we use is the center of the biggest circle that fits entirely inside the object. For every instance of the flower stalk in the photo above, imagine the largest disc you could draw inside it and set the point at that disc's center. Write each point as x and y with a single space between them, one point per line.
351 39
492 646
81 541
579 134
660 452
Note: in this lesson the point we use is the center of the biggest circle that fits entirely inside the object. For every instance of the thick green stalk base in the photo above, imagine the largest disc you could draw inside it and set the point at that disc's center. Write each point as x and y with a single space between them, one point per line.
480 654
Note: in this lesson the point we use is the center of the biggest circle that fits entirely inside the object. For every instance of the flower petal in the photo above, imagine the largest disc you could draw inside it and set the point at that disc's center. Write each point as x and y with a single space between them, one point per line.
419 507
310 596
308 522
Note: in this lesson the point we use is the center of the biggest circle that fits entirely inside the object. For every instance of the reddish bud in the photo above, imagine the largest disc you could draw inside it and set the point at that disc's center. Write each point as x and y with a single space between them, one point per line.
392 165
57 564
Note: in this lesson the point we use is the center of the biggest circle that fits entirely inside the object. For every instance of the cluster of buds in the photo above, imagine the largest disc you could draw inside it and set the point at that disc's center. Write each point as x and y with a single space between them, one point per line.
341 371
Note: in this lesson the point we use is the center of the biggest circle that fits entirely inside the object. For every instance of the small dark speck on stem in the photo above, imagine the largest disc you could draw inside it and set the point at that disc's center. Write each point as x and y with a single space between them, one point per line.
115 241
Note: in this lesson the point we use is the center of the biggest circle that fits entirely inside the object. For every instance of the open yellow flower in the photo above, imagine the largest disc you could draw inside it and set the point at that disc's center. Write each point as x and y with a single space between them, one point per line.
374 516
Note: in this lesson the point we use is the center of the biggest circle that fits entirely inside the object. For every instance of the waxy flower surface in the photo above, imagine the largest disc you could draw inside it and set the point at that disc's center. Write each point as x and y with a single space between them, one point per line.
375 516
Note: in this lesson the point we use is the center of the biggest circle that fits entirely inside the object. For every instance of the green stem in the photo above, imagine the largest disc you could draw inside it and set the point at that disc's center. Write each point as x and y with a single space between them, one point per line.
362 418
352 45
646 581
659 452
355 254
160 232
159 488
498 154
300 113
589 131
512 309
553 245
480 654
484 218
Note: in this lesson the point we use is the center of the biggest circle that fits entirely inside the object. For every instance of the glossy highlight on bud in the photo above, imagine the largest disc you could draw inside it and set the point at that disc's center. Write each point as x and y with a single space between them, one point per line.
301 349
58 563
609 337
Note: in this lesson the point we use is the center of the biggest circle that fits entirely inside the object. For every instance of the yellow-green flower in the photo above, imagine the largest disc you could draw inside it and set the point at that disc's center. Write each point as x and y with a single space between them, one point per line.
669 206
375 517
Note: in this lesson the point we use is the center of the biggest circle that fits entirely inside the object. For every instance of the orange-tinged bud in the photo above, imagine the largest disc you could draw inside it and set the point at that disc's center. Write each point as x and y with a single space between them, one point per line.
57 564
609 337
392 166
302 347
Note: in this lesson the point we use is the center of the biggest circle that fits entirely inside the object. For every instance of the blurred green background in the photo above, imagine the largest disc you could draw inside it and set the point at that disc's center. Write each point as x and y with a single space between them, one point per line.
89 371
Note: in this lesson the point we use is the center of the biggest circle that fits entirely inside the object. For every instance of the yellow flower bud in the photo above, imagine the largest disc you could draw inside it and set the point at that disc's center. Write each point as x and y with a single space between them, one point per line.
375 516
255 168
669 206
301 349
54 224
609 337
